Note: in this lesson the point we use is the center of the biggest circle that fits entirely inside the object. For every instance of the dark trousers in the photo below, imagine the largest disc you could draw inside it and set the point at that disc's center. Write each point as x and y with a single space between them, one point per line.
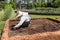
25 24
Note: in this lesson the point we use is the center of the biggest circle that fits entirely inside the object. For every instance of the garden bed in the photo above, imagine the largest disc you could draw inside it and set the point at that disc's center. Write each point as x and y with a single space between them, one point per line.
39 29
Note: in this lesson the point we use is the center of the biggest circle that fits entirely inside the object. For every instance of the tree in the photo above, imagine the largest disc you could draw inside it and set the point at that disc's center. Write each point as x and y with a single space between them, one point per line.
57 3
13 4
36 0
7 12
2 4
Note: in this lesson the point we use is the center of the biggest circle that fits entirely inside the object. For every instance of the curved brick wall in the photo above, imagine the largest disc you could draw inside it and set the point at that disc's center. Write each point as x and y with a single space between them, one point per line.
39 36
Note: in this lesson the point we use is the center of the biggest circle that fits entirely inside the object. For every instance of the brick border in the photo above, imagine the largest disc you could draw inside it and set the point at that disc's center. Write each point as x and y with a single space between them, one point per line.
40 36
5 31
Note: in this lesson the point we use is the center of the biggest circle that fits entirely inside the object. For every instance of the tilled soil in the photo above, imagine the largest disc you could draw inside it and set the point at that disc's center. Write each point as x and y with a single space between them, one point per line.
36 26
39 36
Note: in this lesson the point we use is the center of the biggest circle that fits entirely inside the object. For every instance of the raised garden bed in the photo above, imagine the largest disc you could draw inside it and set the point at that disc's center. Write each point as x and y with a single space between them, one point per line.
39 29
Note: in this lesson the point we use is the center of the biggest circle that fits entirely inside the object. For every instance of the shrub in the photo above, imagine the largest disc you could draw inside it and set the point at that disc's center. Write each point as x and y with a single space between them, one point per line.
0 9
57 3
7 11
37 4
8 6
2 4
34 4
31 5
1 27
43 4
13 4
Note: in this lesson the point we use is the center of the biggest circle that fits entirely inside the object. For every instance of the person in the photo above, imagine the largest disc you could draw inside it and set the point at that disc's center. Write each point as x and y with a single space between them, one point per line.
24 19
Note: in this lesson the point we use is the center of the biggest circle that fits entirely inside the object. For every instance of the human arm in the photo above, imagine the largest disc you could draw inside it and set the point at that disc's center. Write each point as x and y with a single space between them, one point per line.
21 22
17 16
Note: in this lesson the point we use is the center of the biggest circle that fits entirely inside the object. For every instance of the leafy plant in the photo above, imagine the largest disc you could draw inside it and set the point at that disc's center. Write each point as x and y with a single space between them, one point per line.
13 4
43 4
57 3
0 9
1 26
31 5
7 11
38 4
2 4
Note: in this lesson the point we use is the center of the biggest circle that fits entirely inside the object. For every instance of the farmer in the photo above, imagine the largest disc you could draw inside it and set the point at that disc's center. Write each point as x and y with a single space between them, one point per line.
24 19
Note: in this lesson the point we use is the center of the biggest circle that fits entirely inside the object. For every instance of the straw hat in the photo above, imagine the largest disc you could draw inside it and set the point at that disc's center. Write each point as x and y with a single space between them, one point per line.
20 13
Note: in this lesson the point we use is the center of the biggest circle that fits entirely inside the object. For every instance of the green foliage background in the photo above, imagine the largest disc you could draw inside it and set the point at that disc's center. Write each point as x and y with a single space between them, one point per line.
7 11
57 3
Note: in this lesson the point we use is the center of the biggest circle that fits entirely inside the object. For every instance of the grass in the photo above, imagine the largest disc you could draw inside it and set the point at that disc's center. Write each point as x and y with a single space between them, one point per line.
39 16
45 16
1 26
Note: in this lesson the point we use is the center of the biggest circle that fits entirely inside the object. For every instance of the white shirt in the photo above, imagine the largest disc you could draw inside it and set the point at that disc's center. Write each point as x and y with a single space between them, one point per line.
24 18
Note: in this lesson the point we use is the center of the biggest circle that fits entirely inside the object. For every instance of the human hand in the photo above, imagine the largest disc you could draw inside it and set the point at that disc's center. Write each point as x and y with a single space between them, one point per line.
13 28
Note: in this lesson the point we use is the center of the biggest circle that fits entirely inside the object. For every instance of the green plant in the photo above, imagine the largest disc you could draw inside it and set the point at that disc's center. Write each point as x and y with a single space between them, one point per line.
2 4
1 26
43 4
0 9
57 3
7 6
31 5
13 4
37 4
7 11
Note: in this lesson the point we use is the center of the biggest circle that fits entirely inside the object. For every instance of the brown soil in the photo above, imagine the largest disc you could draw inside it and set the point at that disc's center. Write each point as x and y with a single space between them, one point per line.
36 26
39 36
